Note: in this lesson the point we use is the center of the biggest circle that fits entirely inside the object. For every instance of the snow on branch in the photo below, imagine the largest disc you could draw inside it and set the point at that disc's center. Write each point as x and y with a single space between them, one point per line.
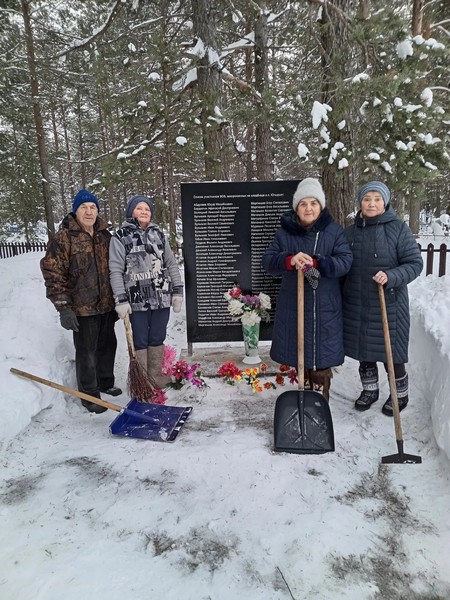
116 7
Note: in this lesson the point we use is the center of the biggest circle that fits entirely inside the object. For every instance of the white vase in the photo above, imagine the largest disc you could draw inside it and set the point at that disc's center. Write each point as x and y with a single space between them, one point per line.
250 334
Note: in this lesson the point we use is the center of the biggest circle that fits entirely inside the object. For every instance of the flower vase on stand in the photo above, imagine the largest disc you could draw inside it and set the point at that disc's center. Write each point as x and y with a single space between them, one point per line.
251 340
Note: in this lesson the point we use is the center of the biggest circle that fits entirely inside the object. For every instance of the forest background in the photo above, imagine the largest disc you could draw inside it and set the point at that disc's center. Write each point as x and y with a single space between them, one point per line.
126 97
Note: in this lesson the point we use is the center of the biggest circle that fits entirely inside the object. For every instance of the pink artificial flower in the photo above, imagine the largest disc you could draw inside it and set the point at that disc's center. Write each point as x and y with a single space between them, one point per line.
168 360
179 369
159 396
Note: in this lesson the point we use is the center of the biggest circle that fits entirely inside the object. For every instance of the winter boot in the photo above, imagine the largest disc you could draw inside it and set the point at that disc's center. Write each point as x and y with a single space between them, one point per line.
401 385
93 408
154 363
112 391
369 395
141 356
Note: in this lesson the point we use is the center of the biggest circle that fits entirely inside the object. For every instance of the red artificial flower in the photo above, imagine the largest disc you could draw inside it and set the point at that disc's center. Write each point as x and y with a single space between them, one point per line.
235 292
292 376
229 370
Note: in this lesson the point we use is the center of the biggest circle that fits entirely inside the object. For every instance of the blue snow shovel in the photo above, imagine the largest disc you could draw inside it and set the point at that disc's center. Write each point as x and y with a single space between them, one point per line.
141 420
302 419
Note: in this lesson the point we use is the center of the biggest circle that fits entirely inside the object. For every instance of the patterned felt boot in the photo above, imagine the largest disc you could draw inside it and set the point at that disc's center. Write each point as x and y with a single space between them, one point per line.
369 395
401 385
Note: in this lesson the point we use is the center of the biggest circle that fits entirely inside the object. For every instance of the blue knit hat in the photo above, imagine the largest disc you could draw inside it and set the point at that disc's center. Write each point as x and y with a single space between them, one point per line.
135 201
375 186
84 196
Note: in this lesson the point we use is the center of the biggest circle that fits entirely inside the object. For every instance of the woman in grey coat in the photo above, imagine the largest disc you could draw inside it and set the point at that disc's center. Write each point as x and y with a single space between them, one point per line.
146 282
384 251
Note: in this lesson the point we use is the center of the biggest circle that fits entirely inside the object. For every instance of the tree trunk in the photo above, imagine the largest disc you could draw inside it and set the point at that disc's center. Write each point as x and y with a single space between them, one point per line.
250 133
38 122
414 201
108 212
264 163
417 17
209 86
68 154
336 182
80 141
168 191
62 190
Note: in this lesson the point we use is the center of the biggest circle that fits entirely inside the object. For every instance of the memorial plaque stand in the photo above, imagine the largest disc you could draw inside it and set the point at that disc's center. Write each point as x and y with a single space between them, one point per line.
227 227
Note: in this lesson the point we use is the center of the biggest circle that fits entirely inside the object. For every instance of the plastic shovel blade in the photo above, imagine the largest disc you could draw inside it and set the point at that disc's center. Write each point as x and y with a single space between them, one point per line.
155 422
302 423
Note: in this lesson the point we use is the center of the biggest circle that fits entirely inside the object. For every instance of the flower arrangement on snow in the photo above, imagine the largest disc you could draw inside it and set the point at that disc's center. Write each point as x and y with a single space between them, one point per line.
231 375
158 396
181 371
247 308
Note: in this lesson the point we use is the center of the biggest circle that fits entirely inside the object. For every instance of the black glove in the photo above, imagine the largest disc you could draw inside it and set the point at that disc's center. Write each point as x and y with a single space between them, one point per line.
68 319
312 275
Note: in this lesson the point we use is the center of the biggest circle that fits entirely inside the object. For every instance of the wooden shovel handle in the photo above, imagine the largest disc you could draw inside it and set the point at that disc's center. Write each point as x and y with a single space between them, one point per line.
129 336
67 390
390 364
300 329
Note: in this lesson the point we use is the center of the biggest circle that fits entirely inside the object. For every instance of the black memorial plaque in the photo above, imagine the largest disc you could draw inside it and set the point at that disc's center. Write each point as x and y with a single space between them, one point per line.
227 227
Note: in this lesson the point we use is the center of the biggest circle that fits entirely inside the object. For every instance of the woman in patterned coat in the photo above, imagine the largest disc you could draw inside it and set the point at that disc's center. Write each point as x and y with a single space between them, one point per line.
146 282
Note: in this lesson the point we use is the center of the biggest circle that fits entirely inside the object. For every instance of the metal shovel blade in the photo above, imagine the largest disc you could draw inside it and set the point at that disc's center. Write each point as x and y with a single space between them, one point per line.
163 423
302 423
401 457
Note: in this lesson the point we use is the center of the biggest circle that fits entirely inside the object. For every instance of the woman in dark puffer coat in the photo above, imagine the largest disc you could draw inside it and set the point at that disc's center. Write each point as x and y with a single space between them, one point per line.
309 239
384 251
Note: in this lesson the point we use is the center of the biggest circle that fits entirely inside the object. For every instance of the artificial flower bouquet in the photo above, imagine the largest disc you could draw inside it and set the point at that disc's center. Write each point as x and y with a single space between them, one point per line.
181 371
231 375
247 308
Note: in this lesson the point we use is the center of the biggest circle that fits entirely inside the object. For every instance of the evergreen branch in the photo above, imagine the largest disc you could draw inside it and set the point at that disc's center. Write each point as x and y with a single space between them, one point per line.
332 8
97 33
440 88
241 84
439 26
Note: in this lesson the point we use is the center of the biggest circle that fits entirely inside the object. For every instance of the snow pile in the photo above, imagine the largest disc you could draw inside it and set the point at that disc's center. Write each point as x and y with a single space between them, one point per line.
430 350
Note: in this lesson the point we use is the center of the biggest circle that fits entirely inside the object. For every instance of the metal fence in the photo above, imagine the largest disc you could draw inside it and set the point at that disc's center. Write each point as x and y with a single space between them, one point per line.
8 249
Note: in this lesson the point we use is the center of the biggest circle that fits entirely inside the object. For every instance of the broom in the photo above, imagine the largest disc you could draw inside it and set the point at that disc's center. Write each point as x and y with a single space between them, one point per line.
140 384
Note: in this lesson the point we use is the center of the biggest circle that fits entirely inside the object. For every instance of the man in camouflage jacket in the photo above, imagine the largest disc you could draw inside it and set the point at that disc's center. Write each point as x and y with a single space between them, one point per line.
76 274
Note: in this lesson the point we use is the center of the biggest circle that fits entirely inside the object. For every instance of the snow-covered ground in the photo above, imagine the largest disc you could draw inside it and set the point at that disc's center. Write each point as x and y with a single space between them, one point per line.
217 515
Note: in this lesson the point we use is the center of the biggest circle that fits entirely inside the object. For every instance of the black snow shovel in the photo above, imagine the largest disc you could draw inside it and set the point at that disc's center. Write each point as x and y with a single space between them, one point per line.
401 457
302 420
143 420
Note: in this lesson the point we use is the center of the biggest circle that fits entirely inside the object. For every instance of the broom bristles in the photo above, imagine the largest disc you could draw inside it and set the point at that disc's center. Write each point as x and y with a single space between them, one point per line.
140 385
